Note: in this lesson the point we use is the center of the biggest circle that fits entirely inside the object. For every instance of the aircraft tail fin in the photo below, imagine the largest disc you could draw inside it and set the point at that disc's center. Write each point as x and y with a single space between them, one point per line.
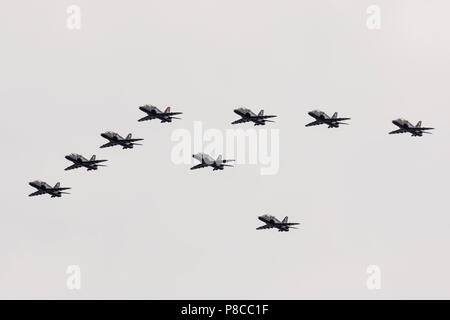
167 110
93 158
57 185
285 220
335 115
261 113
129 136
419 124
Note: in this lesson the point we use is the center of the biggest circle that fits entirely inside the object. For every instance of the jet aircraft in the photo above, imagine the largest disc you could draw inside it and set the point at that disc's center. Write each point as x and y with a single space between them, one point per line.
322 118
42 188
115 139
80 161
272 222
154 113
207 160
248 115
406 126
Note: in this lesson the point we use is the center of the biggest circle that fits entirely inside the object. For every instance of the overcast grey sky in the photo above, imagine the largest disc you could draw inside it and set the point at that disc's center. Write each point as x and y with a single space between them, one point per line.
146 228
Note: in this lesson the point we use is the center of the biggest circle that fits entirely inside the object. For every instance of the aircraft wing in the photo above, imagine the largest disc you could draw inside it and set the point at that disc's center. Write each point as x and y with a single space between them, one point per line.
130 140
340 119
260 121
264 227
74 166
398 131
109 144
265 117
58 189
36 193
94 162
314 123
200 165
425 128
334 124
243 120
172 113
146 118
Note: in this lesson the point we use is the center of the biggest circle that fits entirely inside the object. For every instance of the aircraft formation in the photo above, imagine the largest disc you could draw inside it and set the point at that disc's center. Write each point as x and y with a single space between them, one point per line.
246 115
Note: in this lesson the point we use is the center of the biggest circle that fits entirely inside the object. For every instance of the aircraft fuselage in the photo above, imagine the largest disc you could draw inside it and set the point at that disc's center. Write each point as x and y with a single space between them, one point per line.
407 126
117 139
44 187
207 160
